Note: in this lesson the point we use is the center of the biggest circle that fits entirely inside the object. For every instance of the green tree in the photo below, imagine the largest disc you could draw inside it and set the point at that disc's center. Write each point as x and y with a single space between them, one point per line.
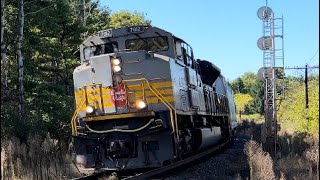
237 85
50 62
250 81
293 115
125 18
241 101
249 84
53 31
313 110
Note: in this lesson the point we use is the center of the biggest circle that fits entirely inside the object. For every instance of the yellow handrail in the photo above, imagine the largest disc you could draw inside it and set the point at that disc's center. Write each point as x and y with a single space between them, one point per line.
173 120
74 117
122 130
173 115
166 103
74 120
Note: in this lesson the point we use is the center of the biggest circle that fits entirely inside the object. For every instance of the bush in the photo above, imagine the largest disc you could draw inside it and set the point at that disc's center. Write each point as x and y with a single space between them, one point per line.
260 162
38 158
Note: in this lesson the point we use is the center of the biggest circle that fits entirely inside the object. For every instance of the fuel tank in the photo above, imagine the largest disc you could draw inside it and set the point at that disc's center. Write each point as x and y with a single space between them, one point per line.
205 137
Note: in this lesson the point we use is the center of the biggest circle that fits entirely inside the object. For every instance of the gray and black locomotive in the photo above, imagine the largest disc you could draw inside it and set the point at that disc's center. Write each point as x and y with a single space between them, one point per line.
142 100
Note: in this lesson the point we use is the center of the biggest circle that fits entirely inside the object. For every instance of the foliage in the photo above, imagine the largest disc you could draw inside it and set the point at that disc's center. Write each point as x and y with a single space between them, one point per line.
52 33
237 85
257 118
125 18
242 100
293 115
249 84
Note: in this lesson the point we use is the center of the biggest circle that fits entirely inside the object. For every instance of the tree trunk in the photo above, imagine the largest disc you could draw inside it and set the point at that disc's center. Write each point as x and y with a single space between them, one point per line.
4 63
64 59
20 62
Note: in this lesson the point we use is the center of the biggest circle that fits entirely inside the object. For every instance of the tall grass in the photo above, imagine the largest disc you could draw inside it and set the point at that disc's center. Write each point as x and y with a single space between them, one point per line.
260 162
38 158
312 155
297 156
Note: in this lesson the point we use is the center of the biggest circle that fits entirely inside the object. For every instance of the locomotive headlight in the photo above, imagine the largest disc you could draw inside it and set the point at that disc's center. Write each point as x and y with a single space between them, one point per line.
116 68
140 104
116 64
90 109
115 61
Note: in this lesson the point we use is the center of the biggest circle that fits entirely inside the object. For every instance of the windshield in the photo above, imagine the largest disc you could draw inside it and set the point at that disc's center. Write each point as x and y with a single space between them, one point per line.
100 49
158 43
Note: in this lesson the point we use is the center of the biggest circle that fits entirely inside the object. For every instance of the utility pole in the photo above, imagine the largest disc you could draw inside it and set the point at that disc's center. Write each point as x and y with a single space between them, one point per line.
305 68
306 86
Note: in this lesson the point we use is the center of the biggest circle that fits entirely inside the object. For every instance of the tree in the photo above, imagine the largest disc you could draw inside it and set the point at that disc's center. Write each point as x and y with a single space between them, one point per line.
50 62
92 15
293 115
237 86
4 67
250 81
257 92
242 100
98 19
249 84
20 62
125 18
49 35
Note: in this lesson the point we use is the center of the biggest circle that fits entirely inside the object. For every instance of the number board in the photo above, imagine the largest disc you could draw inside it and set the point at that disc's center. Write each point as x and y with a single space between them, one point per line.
105 33
136 29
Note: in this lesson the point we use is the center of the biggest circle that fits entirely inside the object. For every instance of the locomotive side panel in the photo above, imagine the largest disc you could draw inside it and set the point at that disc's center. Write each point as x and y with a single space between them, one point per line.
180 87
189 94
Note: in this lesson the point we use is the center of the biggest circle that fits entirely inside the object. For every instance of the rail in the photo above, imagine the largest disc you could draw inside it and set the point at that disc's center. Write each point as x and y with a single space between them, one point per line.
161 172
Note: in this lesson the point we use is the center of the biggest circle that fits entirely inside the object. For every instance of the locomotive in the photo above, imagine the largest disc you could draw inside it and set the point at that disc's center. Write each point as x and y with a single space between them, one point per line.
143 101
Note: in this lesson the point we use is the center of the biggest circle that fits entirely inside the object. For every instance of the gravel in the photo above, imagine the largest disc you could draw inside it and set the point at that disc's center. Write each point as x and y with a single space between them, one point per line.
231 163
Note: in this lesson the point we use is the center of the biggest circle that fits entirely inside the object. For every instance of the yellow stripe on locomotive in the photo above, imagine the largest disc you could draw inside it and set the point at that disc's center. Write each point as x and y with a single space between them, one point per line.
99 97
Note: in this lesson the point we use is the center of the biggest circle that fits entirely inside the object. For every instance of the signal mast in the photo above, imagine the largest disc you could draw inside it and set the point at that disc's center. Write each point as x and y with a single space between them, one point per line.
272 73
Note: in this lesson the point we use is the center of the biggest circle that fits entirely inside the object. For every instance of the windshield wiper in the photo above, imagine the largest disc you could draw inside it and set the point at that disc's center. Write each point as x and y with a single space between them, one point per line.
141 38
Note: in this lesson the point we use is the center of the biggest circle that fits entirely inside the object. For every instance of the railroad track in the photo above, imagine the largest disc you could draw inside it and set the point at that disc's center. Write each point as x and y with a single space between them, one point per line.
157 173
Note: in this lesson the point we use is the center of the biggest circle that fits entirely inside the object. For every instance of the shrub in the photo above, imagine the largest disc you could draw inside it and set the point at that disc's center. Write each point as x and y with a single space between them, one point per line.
36 159
260 162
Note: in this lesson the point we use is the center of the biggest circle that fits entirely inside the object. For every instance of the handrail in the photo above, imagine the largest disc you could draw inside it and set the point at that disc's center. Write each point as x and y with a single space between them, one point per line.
173 120
74 117
76 112
166 101
121 130
173 115
161 98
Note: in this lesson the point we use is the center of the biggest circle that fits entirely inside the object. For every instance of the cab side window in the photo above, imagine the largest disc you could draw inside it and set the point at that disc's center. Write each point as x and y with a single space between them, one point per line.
178 50
188 55
184 53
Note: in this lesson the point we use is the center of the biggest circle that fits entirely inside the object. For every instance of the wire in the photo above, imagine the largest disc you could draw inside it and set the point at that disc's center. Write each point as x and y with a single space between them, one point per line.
313 56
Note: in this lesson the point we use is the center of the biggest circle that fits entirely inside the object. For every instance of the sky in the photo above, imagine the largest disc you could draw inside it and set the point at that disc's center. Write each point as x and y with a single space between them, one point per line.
226 32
